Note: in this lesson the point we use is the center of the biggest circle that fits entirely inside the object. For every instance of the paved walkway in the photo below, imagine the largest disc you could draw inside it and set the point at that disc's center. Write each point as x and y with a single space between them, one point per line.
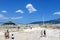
34 35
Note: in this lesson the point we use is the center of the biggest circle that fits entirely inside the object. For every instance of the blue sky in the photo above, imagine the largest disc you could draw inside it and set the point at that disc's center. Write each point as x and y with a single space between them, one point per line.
27 11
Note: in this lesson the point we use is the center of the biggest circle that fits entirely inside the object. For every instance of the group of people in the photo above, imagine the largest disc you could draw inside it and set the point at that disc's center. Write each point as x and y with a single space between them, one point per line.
7 36
43 33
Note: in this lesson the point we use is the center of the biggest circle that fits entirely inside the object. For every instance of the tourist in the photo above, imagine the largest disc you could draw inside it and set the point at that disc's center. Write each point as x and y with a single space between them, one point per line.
6 35
12 37
41 33
44 33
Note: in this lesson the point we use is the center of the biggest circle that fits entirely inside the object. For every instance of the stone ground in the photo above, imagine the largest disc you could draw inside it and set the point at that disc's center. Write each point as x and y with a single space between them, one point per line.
34 34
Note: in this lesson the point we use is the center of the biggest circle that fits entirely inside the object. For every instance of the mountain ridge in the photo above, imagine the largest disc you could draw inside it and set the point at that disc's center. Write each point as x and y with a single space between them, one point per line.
55 21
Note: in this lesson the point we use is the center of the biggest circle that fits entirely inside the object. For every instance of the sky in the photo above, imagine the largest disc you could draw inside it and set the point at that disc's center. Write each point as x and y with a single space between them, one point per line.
27 11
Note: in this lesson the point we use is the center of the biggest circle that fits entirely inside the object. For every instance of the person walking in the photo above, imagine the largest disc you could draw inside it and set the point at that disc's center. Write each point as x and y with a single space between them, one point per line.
6 35
44 33
41 33
12 37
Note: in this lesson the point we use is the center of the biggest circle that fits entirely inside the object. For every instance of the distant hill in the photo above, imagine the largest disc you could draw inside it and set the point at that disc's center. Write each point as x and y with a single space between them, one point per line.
55 21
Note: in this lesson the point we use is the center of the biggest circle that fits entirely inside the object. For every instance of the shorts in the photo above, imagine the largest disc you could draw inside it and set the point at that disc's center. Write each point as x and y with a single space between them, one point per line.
12 37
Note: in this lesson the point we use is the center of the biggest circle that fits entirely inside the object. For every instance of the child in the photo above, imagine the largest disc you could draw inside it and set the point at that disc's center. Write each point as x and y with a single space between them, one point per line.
12 37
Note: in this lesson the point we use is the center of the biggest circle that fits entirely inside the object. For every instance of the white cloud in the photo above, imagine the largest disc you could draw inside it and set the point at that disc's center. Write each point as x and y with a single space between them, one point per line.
57 13
3 17
4 11
30 8
19 11
16 17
